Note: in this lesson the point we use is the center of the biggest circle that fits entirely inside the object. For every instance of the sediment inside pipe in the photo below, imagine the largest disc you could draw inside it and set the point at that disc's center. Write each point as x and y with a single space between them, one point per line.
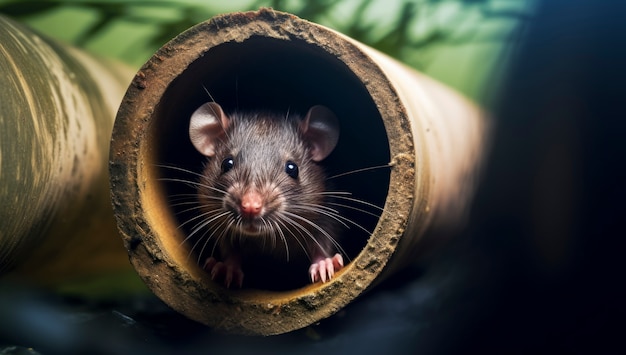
265 59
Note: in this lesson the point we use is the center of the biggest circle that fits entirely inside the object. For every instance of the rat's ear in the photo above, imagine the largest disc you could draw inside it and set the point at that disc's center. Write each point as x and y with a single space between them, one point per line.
208 124
320 128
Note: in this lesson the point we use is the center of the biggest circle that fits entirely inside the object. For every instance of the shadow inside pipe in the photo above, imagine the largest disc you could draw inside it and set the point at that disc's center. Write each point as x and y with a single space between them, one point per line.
282 76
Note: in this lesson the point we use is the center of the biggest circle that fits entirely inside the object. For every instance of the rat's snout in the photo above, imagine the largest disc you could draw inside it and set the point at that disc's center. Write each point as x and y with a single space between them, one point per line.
251 204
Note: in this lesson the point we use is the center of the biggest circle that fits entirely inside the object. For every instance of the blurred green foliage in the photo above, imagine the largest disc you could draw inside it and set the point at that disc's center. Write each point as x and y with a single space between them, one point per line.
460 42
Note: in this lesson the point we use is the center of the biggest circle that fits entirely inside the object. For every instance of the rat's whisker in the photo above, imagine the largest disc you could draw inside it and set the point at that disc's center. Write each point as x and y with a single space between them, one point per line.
202 224
207 240
172 167
339 218
268 231
263 231
211 215
281 234
369 204
193 184
320 209
218 228
298 228
359 171
182 197
354 209
225 230
194 204
320 229
293 217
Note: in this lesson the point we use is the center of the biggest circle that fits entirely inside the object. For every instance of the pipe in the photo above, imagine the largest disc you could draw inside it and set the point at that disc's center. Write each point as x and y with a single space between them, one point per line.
431 137
57 111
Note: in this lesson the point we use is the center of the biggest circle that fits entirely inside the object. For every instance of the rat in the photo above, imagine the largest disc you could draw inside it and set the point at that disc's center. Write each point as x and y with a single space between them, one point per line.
262 185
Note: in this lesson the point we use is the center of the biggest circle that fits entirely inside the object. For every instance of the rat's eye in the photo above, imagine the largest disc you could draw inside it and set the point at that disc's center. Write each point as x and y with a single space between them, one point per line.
227 164
291 169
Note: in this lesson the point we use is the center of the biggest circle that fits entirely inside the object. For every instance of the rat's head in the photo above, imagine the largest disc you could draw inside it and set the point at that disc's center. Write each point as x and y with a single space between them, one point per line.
263 168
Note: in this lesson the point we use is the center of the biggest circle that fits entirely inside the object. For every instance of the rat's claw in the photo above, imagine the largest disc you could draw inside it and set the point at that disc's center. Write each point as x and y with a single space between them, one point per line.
216 269
233 274
324 269
209 264
228 278
229 271
337 261
313 272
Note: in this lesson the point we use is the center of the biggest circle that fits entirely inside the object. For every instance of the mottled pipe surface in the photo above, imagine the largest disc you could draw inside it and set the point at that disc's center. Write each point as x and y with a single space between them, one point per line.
57 110
432 137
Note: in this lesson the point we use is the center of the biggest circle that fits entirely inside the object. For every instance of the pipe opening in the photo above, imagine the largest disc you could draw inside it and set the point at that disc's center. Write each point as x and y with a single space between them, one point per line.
282 76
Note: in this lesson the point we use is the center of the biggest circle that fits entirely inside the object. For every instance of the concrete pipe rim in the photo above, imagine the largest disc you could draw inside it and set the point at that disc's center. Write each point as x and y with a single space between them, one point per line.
152 107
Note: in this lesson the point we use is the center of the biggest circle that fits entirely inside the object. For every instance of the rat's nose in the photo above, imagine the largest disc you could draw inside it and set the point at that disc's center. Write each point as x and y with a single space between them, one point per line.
251 204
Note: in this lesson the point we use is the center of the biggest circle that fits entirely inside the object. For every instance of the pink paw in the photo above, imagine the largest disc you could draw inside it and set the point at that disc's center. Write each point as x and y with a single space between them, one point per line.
229 270
325 268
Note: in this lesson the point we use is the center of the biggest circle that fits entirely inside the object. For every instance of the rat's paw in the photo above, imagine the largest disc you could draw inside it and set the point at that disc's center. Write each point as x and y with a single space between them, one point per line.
325 268
229 271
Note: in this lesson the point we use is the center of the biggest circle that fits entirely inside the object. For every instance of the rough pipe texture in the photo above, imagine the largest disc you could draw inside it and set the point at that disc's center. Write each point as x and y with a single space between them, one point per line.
58 107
